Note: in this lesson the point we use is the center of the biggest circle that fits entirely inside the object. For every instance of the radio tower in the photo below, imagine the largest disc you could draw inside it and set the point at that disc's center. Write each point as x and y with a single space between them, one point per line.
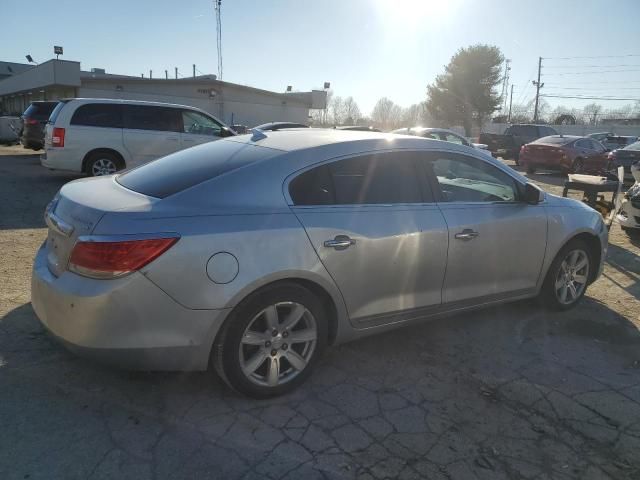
217 4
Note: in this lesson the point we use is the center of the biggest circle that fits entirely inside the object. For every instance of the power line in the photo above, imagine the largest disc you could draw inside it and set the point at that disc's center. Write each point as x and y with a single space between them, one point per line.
599 83
547 95
590 73
597 56
592 66
592 88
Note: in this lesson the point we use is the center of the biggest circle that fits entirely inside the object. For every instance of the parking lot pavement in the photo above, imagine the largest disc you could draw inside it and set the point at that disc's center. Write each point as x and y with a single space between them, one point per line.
505 393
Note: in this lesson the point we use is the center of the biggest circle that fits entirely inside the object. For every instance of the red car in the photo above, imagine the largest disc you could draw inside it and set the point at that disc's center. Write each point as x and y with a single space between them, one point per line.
567 153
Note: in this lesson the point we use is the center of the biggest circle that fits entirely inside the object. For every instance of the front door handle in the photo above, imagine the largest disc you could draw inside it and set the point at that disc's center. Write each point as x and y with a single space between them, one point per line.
340 242
467 234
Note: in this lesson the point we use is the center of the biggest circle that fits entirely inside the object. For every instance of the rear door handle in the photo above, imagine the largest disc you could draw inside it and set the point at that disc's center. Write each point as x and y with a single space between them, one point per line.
467 234
340 242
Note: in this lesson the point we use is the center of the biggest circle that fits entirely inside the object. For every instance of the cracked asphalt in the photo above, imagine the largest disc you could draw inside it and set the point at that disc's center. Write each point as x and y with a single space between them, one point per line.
506 393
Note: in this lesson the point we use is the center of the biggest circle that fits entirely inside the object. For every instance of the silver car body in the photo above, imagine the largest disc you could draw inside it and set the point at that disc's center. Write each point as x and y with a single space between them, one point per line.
240 231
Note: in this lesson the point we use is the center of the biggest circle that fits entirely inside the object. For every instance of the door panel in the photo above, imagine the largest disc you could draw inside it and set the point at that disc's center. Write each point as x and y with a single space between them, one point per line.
496 242
504 258
151 132
396 263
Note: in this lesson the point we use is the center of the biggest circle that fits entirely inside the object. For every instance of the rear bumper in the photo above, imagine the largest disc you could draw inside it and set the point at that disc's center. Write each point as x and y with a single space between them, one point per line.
57 159
629 216
127 322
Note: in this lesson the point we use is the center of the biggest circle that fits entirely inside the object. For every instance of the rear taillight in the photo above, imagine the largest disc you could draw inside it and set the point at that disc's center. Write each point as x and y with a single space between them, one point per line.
30 121
99 259
57 138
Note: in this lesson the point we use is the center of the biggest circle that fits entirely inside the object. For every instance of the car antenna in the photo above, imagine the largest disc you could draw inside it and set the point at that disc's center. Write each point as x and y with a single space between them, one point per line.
257 134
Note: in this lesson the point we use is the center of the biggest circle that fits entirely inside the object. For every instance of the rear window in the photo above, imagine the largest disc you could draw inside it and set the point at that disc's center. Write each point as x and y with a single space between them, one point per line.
56 111
553 140
181 170
106 115
40 110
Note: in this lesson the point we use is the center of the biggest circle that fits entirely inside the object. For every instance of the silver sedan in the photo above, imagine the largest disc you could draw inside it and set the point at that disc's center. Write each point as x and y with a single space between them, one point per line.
253 254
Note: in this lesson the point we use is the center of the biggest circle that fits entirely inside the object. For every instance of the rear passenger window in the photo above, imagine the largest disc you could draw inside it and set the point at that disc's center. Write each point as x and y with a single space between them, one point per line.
143 117
388 178
106 115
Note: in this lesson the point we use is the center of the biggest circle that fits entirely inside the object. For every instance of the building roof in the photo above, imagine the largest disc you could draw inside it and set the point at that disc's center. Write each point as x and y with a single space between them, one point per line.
12 68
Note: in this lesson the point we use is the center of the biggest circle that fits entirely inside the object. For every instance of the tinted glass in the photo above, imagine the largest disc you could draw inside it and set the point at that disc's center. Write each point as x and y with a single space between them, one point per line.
198 124
108 115
553 140
547 131
633 146
583 143
465 179
313 187
56 111
523 130
181 170
40 110
384 178
388 178
147 117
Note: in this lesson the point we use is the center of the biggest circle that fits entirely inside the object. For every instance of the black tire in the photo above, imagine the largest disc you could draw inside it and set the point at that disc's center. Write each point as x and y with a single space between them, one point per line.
578 166
99 163
549 294
227 348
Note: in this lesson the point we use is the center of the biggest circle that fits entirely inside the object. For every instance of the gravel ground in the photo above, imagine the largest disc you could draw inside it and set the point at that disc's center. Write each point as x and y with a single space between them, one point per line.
505 393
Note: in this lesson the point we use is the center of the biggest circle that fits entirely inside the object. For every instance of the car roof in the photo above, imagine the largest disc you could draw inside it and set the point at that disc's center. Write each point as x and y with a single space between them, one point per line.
127 102
305 138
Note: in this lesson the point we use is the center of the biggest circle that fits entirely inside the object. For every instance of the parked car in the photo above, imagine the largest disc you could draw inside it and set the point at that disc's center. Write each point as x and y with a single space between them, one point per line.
253 253
629 215
566 153
240 129
625 157
599 136
102 136
613 142
274 126
438 134
358 128
34 120
508 144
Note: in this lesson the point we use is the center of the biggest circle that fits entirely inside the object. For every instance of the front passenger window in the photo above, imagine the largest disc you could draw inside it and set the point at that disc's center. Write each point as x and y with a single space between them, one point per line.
465 179
196 123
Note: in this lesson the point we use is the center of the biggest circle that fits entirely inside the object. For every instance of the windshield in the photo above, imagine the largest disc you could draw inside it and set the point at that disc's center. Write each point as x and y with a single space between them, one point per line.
554 140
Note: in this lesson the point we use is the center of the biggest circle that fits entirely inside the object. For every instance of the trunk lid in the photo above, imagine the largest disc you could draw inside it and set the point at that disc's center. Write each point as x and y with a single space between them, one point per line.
544 153
76 210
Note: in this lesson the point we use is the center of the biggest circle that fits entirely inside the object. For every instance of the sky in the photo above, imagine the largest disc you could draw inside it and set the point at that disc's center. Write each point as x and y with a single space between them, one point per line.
366 48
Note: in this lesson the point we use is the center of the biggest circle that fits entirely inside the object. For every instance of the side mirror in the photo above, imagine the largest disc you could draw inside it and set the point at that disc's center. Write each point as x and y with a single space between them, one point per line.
532 194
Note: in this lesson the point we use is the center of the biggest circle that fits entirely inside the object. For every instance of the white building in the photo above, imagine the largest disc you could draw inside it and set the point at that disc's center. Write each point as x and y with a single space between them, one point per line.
21 84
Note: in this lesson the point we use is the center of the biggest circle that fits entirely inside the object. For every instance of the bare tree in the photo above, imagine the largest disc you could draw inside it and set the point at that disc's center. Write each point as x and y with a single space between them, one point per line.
336 110
415 115
386 114
351 111
592 111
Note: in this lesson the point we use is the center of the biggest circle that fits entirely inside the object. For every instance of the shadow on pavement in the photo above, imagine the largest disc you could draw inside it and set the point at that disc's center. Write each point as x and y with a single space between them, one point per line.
503 392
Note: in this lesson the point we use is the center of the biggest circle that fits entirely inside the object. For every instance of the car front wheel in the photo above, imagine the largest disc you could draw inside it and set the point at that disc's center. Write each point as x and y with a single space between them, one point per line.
568 277
271 341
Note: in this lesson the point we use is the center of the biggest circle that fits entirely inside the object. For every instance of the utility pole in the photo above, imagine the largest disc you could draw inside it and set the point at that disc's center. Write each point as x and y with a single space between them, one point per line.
510 104
505 83
217 6
166 74
150 73
176 73
538 86
194 70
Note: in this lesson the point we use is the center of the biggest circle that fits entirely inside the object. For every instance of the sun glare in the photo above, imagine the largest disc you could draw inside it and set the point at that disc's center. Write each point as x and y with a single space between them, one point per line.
411 14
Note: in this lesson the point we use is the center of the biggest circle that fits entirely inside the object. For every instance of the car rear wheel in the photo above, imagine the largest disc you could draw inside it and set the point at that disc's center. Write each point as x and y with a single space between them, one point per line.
568 277
103 163
271 341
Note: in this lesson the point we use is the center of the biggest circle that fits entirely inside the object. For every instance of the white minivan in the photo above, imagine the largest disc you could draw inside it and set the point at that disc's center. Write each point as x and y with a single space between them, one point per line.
101 136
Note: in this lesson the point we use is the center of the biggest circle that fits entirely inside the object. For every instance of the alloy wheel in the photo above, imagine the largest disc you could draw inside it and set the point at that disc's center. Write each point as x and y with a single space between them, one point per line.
572 276
103 166
278 344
